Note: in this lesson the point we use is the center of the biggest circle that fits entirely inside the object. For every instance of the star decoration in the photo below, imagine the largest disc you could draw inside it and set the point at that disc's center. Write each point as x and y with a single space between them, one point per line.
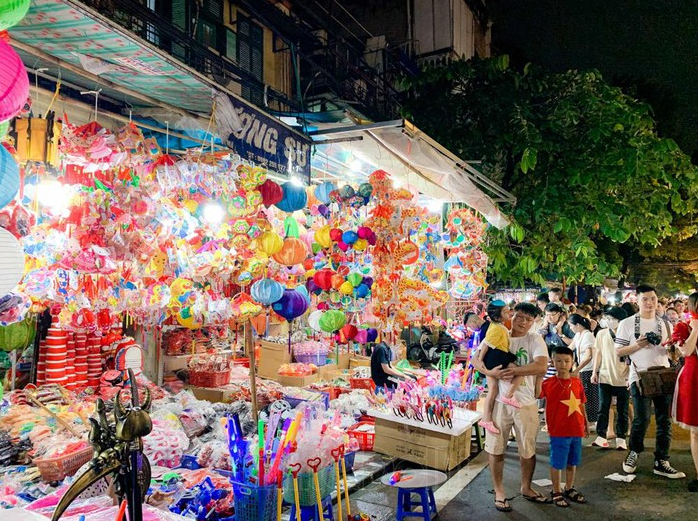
573 404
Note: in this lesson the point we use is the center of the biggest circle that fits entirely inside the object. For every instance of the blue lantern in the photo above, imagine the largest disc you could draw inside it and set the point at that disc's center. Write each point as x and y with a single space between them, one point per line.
266 291
322 192
349 237
9 177
294 198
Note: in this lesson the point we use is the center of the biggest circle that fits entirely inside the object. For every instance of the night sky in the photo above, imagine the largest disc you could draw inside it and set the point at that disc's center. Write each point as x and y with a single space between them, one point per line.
650 48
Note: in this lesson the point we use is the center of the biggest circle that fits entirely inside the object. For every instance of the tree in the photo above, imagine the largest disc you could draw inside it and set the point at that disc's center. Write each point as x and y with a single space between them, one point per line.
592 177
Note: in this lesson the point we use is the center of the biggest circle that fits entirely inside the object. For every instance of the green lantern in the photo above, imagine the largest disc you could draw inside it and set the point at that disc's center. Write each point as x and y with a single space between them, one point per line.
12 12
18 335
332 321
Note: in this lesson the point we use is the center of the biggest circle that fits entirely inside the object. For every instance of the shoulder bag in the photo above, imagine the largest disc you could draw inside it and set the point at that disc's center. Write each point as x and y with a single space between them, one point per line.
655 381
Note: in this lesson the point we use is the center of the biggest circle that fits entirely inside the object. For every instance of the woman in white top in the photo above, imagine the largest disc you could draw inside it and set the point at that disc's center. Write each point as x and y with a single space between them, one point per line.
583 347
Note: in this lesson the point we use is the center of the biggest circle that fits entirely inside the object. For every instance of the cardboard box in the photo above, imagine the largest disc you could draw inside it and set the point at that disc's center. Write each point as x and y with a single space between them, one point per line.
208 394
359 361
325 372
437 450
297 381
271 357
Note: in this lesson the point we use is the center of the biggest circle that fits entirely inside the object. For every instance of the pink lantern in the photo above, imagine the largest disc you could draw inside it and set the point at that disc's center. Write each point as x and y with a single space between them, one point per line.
14 82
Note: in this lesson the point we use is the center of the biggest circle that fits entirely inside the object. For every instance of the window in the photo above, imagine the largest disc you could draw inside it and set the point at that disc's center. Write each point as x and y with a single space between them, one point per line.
250 54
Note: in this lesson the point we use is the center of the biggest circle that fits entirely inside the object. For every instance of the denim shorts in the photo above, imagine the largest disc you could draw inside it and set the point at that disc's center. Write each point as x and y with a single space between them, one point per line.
565 451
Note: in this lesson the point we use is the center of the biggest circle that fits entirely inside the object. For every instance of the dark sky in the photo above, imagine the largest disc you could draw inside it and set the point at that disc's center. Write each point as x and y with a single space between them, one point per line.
648 46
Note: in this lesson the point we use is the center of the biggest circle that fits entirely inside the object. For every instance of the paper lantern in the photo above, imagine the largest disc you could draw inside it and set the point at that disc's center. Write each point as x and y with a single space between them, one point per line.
266 291
346 288
372 334
361 336
293 251
314 320
322 237
12 264
349 237
365 190
291 305
18 335
336 234
337 281
294 198
14 82
270 243
312 287
361 291
259 323
355 278
332 321
347 192
347 333
323 278
303 291
322 191
272 192
12 12
9 177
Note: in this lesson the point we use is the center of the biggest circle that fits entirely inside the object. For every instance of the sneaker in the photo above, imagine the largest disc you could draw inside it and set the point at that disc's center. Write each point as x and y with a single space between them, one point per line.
601 442
662 468
630 463
620 444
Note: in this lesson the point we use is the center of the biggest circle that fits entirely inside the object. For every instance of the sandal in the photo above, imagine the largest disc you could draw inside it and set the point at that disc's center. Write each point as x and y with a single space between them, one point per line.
490 426
559 500
502 505
537 498
574 495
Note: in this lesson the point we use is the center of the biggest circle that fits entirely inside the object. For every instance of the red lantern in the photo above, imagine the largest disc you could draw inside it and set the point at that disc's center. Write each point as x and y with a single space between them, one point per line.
271 192
347 333
308 264
336 234
292 252
323 278
337 281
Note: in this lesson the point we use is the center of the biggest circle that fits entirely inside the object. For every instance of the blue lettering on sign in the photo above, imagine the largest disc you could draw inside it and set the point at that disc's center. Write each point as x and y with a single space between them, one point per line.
269 143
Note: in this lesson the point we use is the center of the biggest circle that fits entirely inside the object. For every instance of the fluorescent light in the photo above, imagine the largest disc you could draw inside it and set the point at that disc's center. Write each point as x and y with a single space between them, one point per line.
213 213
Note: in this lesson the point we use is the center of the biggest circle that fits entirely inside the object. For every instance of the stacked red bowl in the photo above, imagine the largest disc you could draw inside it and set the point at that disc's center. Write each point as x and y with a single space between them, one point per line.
56 355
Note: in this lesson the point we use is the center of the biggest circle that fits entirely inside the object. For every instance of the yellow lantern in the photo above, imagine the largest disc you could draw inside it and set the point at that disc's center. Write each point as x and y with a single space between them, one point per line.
346 288
270 243
322 236
360 244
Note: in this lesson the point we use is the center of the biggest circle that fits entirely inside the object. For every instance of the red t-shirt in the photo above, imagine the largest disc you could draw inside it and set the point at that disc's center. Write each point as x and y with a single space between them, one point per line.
564 400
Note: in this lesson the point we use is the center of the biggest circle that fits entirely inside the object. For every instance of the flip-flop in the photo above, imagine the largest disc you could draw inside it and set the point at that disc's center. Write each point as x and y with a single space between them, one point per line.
502 505
538 498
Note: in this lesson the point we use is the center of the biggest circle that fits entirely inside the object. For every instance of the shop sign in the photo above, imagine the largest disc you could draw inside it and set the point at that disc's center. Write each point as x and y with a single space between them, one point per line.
266 141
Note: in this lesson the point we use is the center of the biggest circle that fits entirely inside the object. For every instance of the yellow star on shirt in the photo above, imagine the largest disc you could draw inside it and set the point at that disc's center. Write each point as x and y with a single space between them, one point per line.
573 404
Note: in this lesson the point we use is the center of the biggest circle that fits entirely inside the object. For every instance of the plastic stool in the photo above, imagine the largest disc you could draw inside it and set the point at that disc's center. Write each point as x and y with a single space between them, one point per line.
309 513
405 503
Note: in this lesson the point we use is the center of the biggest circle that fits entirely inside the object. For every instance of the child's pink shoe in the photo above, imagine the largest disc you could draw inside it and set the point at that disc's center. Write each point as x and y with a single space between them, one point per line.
489 426
510 401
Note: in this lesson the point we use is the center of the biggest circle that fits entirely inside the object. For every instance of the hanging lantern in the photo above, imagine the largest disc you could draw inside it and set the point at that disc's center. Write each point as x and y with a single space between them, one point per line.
361 336
294 198
266 291
12 12
272 192
9 177
322 236
14 82
291 305
4 127
12 265
18 335
270 243
314 320
322 191
355 279
323 278
332 321
372 334
293 251
347 333
303 291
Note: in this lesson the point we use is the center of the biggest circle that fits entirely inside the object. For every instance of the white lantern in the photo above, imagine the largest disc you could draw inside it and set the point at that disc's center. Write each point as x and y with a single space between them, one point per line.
11 261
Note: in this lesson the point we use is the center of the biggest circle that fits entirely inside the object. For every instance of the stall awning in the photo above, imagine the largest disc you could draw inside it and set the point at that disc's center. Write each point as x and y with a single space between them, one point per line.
401 149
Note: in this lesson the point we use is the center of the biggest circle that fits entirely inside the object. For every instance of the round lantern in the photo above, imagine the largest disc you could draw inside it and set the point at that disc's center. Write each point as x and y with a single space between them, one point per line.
346 288
270 243
12 265
348 332
322 192
332 321
361 291
266 291
291 305
272 192
349 237
303 291
322 236
361 336
293 251
4 127
355 279
18 335
9 177
372 334
14 82
312 287
12 12
294 198
323 278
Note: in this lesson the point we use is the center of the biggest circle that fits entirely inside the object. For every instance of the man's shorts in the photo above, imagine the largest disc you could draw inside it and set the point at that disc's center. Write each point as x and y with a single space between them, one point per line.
525 423
565 451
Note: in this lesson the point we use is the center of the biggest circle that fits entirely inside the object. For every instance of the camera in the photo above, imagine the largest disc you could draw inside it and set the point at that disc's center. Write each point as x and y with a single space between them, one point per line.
653 338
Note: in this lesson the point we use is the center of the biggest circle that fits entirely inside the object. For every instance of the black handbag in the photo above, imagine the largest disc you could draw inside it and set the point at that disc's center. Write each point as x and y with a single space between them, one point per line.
655 381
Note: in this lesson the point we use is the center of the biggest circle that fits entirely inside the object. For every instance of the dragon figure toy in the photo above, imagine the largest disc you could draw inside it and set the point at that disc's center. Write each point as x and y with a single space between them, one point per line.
118 453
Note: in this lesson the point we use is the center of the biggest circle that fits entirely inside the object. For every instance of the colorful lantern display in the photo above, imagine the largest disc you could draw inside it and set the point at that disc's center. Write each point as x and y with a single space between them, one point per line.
332 321
294 198
14 82
291 305
322 191
270 243
266 291
272 192
293 251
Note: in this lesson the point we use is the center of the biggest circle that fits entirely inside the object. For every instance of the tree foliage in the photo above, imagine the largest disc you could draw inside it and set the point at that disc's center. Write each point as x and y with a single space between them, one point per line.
591 175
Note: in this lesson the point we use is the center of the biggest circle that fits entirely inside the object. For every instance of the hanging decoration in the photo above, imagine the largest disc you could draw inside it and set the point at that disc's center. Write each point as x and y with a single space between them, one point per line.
14 82
12 265
12 12
9 177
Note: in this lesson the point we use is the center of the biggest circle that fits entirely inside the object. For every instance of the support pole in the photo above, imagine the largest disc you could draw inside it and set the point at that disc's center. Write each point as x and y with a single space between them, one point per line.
249 347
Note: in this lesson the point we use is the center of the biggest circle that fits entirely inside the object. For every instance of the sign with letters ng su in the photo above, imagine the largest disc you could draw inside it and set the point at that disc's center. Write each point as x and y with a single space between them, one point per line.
268 142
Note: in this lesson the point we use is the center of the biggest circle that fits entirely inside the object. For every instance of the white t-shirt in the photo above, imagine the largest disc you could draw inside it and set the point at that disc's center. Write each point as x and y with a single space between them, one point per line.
526 348
611 371
646 357
583 343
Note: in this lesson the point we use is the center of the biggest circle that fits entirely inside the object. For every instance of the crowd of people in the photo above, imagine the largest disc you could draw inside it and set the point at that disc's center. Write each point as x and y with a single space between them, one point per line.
571 362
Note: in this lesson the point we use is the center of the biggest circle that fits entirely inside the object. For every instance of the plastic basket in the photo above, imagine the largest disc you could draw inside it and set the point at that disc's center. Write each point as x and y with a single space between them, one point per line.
349 458
365 439
57 469
362 383
244 362
317 359
209 379
254 503
306 486
294 402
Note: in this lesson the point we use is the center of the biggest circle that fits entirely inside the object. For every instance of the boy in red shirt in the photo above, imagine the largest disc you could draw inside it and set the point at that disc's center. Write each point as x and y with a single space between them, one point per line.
566 417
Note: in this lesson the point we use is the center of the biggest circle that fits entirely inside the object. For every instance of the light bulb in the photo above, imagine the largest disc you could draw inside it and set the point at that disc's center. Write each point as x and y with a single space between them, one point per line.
435 206
55 196
297 181
213 213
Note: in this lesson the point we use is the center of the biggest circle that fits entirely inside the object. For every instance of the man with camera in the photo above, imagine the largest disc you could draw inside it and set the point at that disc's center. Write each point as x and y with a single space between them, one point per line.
641 339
